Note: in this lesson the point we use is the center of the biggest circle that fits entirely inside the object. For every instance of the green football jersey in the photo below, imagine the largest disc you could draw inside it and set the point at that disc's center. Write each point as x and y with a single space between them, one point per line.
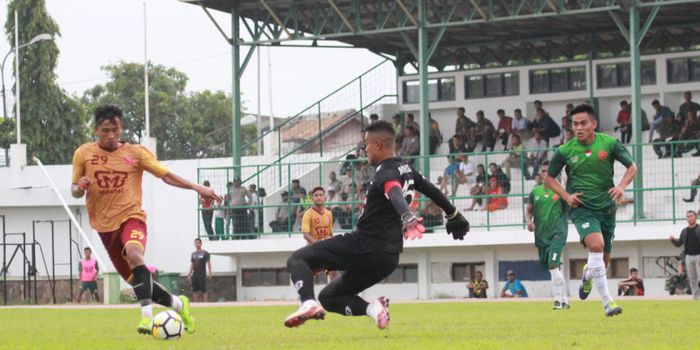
549 215
590 169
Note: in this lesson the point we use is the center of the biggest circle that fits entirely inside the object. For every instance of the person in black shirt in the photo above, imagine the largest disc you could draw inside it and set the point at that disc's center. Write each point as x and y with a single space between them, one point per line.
690 240
370 253
198 272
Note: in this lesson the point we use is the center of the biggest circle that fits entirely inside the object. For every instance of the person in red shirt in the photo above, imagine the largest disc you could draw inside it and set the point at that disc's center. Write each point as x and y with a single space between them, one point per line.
505 128
496 202
624 122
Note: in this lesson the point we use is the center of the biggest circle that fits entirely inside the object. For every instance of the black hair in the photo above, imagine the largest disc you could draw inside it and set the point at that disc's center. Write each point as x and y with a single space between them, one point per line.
374 116
107 112
544 162
623 102
517 110
198 240
583 108
317 188
634 269
295 181
655 103
691 212
381 126
461 109
206 183
87 249
480 113
500 111
253 186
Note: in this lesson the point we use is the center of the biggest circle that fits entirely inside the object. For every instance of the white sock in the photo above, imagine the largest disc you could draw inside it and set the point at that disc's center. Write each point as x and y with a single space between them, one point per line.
176 303
147 311
373 310
557 284
597 267
587 275
310 302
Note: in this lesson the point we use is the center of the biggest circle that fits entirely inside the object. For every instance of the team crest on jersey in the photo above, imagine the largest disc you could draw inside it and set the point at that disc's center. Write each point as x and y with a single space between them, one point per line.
110 179
574 159
588 153
602 155
537 198
129 161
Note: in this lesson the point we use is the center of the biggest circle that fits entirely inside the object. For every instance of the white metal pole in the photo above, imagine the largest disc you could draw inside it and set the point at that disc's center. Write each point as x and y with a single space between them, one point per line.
259 121
269 86
18 120
147 133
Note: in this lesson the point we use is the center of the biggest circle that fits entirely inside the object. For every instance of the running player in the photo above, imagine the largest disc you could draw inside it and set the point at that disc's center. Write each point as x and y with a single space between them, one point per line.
546 216
370 253
110 172
592 195
317 222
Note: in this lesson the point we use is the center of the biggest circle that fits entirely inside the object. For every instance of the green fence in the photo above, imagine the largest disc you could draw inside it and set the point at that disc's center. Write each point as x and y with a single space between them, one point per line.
666 181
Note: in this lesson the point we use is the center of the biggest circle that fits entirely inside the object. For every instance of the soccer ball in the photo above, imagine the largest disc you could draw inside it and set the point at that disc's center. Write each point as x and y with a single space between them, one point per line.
167 325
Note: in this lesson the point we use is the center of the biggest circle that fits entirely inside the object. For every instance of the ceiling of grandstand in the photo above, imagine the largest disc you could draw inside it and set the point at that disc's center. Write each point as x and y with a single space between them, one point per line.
471 33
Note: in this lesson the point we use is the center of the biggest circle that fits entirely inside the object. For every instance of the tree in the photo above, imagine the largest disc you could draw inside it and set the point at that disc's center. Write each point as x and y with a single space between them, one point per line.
7 132
53 123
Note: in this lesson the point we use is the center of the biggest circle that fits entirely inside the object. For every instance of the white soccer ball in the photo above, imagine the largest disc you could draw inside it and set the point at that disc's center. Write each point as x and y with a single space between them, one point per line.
167 325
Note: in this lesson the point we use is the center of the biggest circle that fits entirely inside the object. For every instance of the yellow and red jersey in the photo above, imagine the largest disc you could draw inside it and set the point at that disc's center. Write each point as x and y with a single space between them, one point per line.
115 193
318 224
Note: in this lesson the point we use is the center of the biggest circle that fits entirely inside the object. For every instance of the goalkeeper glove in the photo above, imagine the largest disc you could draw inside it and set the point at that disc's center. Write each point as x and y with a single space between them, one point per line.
412 226
457 225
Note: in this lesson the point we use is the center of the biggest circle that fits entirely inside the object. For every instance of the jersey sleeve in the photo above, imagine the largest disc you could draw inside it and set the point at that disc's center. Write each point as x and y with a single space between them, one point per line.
556 164
621 154
206 257
78 166
387 174
531 198
306 222
151 164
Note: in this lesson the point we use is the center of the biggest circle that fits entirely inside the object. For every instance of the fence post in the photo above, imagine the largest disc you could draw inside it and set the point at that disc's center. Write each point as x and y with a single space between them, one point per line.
485 200
362 108
320 136
673 182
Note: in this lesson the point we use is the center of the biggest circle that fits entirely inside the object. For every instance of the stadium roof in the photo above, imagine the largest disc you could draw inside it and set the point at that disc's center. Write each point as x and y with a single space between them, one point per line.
471 33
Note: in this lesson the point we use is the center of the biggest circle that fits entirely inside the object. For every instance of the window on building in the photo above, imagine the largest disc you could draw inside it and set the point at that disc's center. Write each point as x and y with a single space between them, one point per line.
491 85
557 79
259 277
618 74
619 268
683 70
463 272
441 89
407 273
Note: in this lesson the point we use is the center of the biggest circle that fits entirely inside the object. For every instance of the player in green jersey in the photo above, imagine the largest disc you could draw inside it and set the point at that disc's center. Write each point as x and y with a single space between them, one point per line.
592 195
546 216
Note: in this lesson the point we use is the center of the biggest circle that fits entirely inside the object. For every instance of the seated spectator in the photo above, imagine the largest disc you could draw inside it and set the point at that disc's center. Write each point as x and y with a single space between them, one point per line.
453 175
539 155
365 175
342 213
513 287
463 123
538 105
348 164
410 121
485 131
568 135
567 113
360 151
502 178
633 286
693 191
545 125
624 122
495 201
398 129
504 129
472 140
688 105
479 187
456 145
467 168
432 215
334 187
669 130
662 113
690 132
565 125
435 139
283 221
411 145
516 158
519 124
373 117
477 287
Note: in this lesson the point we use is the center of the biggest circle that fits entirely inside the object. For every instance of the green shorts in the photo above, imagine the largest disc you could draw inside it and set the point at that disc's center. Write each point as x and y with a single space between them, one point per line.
90 285
550 255
589 221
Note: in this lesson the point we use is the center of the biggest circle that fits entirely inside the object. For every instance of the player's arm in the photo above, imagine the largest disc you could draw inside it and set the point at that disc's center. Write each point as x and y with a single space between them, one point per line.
457 225
621 154
80 271
528 214
209 265
189 275
80 181
678 242
412 225
306 227
551 182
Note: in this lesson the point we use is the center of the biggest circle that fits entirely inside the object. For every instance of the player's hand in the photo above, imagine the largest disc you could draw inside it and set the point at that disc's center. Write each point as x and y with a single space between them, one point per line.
84 183
457 226
412 227
670 238
616 193
573 200
207 193
531 227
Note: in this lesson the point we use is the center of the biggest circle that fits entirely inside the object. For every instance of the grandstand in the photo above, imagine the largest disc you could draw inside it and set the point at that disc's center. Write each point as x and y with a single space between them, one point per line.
482 55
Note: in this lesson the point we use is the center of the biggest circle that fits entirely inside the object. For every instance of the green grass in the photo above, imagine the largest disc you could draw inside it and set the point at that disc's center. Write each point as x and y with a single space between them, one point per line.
508 325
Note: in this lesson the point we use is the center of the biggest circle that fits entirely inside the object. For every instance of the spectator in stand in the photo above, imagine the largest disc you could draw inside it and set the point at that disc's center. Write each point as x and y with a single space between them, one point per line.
688 105
539 155
624 122
435 139
453 175
298 198
283 221
238 199
502 178
411 145
516 158
477 287
467 168
456 145
505 128
398 128
411 121
567 113
690 132
538 105
373 118
334 187
568 135
432 215
669 130
520 123
693 191
495 200
513 288
463 123
366 173
253 213
690 241
565 122
479 187
360 151
207 212
662 113
472 140
545 125
633 286
485 132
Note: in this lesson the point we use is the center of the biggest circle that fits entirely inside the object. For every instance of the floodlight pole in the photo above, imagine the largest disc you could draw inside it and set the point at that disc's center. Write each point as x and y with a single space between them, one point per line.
635 82
424 99
236 141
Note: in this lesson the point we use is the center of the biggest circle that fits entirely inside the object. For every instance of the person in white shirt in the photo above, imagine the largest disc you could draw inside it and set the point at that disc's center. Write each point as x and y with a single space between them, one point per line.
539 154
468 169
520 124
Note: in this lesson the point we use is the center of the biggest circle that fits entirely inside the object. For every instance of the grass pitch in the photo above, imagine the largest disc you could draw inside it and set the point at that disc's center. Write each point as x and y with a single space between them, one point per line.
506 325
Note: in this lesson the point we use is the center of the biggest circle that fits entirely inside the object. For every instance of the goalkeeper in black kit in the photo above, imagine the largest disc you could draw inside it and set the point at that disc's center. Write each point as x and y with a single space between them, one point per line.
371 252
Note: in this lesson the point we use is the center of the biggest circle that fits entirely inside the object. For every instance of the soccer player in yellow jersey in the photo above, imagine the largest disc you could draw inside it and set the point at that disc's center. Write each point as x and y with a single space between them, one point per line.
317 222
109 171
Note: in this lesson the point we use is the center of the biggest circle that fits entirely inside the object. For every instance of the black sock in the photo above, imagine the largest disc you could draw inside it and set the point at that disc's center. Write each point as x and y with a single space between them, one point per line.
161 296
142 281
301 275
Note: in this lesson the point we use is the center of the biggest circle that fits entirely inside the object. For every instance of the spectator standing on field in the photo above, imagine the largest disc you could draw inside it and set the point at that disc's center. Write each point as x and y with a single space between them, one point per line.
88 271
690 241
198 272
